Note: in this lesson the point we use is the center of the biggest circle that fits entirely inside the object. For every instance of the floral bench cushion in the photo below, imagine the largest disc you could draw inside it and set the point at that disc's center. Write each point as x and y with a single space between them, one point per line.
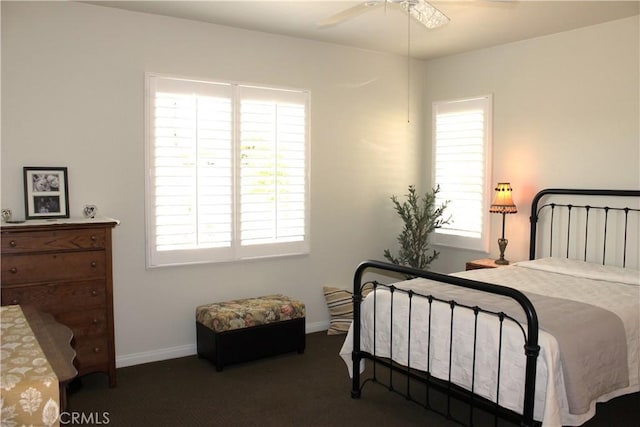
245 313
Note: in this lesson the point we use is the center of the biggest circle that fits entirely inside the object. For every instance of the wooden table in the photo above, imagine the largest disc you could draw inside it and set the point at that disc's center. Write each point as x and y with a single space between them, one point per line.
55 340
481 263
37 364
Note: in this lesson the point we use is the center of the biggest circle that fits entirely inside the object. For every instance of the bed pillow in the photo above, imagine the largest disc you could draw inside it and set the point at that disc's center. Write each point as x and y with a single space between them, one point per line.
340 305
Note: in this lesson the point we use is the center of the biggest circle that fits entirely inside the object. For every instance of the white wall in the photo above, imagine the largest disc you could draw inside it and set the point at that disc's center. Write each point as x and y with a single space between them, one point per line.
72 95
566 115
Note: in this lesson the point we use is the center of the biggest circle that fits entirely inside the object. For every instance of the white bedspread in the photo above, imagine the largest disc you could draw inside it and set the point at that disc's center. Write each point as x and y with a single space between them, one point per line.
573 280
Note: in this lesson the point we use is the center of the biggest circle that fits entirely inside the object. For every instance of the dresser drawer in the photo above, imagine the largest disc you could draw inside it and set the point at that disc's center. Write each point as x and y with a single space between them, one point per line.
85 323
90 353
52 267
52 240
55 298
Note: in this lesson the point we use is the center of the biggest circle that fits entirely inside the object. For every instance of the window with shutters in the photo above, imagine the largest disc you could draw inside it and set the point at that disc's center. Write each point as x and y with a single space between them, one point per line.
227 171
462 138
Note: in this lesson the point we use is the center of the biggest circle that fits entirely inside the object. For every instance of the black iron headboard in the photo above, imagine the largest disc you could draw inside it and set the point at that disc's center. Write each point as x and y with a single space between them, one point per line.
583 228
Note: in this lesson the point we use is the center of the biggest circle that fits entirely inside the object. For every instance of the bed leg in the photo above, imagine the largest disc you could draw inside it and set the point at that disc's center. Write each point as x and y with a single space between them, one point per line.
355 355
355 380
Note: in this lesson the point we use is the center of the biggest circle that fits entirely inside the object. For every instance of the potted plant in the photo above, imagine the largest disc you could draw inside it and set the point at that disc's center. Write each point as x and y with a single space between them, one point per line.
421 217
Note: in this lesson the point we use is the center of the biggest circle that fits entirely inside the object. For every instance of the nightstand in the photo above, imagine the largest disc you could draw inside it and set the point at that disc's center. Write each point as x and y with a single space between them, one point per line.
482 263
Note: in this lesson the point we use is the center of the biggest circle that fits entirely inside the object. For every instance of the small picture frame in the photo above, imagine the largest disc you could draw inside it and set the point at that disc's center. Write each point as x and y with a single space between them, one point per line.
46 192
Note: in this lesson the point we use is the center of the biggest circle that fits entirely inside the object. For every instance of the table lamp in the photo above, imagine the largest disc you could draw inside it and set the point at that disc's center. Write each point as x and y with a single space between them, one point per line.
503 204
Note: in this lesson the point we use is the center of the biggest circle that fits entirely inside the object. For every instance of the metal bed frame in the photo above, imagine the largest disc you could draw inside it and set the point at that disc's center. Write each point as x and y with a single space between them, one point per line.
453 393
581 212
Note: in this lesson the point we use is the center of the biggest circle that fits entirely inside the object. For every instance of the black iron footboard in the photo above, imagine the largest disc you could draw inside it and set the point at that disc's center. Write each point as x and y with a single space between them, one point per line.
428 381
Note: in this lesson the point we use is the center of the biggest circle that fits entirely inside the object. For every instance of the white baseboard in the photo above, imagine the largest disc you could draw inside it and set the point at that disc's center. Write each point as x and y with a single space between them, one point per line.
186 350
155 355
317 326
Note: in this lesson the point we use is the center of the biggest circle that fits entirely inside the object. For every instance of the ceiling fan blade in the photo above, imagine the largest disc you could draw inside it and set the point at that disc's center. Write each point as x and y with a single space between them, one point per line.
348 14
425 13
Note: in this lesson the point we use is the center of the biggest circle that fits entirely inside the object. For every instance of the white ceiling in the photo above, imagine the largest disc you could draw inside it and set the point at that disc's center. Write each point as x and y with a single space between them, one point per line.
474 24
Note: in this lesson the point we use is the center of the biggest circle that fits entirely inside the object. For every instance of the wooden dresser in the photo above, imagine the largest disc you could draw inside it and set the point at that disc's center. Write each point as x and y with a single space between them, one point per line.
63 267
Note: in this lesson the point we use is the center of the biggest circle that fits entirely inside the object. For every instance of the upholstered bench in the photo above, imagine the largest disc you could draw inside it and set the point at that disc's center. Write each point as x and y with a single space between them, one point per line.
247 329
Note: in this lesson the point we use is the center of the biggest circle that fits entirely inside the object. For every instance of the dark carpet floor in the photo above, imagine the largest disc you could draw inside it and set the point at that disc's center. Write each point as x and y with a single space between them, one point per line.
312 389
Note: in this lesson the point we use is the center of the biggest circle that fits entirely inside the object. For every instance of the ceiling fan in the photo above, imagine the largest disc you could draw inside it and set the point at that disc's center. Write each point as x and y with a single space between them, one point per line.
421 10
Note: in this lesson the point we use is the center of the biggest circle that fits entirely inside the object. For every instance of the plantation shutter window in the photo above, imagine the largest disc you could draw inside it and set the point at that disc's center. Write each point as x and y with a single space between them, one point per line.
273 158
461 168
227 171
192 159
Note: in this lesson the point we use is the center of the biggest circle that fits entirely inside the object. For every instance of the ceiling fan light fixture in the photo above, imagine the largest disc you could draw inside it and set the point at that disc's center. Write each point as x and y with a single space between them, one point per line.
425 13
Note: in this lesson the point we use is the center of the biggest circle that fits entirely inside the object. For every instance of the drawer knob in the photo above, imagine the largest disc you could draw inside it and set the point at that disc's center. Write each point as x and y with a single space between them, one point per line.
95 321
94 238
13 243
13 270
94 264
94 292
96 349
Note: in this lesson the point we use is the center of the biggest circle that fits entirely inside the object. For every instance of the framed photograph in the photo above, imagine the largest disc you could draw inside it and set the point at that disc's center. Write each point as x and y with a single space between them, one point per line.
46 192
